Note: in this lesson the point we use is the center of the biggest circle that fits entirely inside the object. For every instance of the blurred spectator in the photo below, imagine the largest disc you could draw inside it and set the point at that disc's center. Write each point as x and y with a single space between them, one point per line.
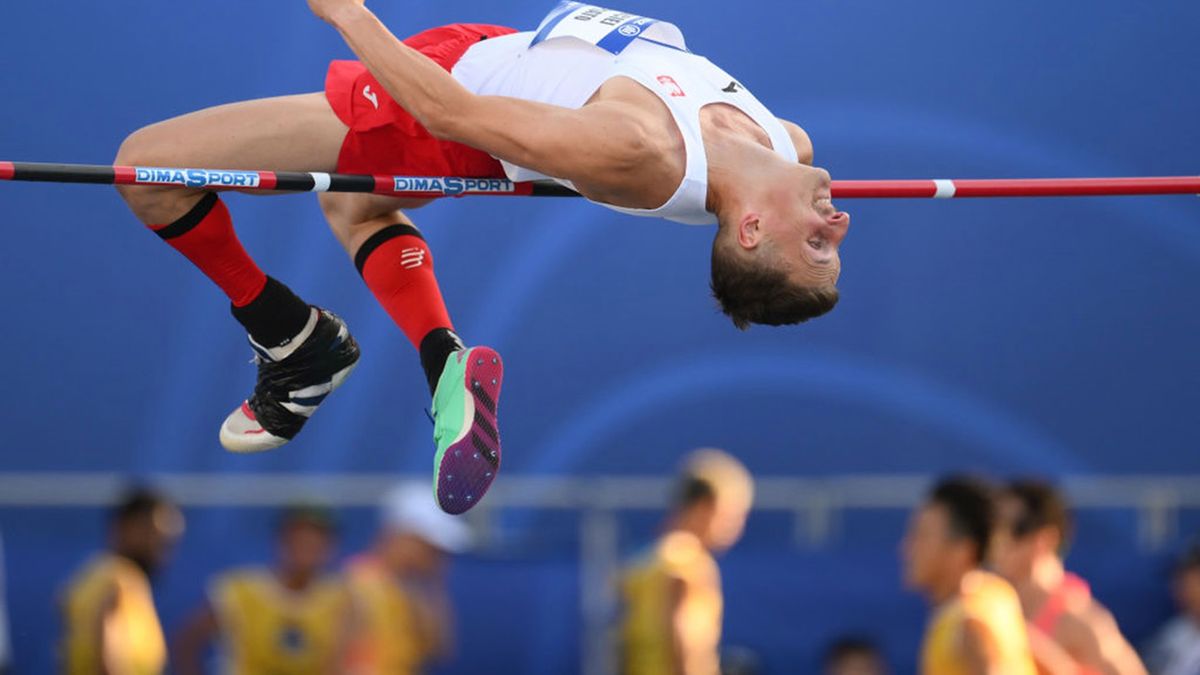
1069 631
672 593
402 617
109 621
1175 650
853 655
290 619
5 644
977 625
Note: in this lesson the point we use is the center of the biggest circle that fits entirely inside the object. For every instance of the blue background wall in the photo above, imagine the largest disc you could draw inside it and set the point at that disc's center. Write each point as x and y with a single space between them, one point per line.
1043 336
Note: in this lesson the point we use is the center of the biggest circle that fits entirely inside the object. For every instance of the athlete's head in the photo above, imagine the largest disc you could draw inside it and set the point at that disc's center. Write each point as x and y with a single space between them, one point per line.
1032 522
854 655
144 526
713 497
775 257
307 537
948 534
1186 583
417 537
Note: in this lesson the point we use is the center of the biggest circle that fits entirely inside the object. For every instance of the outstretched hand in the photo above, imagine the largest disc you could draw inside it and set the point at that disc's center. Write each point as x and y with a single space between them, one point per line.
328 10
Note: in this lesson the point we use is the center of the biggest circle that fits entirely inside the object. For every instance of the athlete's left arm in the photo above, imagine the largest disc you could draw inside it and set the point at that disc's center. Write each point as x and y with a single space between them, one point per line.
800 139
602 141
1093 637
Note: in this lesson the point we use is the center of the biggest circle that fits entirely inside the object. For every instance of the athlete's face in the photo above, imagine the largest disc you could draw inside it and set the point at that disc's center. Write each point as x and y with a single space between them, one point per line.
805 229
305 548
927 547
1187 591
1012 553
408 554
726 526
149 539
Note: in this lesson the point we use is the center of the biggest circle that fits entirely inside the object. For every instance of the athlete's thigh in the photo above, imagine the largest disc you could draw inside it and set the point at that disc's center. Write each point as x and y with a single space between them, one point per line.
285 133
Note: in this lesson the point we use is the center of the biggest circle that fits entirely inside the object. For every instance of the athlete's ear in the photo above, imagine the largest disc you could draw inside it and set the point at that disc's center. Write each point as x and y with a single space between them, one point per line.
750 231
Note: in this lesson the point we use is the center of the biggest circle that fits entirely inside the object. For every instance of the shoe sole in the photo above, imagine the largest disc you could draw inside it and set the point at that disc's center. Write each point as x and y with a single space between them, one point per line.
466 468
246 444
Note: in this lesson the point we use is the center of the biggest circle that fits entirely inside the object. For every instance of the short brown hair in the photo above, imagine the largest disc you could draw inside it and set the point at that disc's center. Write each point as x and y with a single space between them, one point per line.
971 504
1042 505
750 292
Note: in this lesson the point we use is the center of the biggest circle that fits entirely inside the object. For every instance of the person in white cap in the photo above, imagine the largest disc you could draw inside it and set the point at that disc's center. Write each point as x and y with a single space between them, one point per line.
402 610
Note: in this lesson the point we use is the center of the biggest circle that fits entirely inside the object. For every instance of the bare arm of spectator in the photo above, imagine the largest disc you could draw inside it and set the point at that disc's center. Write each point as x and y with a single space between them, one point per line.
1093 637
1049 656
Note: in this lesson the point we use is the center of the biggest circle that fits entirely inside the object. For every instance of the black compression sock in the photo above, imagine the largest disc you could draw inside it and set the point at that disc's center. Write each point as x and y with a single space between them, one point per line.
436 346
276 316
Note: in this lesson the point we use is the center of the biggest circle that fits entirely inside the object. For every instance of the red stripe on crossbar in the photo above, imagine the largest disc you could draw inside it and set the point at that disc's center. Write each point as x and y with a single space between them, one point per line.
124 175
7 170
384 185
267 180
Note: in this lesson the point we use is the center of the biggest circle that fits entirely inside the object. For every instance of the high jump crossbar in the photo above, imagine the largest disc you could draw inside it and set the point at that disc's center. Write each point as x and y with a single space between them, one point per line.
433 187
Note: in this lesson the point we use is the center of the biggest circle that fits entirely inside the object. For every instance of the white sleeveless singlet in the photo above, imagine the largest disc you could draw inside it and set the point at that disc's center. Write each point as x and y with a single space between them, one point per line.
579 47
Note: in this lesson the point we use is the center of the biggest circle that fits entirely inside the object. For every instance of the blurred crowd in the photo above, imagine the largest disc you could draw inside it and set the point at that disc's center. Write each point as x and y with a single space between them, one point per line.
987 557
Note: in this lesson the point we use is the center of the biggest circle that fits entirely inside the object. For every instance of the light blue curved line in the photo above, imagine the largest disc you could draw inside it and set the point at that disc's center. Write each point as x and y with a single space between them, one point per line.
829 376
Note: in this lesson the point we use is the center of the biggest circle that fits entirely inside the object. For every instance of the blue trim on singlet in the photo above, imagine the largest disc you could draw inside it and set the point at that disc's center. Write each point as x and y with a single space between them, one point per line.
566 9
663 44
616 41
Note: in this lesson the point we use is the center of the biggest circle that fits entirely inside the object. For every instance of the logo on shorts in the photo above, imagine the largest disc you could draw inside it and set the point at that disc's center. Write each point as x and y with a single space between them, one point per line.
371 96
196 178
411 258
629 30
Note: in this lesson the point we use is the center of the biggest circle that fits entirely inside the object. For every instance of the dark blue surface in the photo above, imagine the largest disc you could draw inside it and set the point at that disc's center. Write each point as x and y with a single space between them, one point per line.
1015 336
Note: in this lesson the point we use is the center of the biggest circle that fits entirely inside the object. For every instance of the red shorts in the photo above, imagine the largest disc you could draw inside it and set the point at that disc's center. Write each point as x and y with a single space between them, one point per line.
383 137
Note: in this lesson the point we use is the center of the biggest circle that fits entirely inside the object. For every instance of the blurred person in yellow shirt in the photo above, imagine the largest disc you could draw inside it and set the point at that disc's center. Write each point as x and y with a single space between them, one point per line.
402 611
110 625
672 592
1070 632
977 627
287 620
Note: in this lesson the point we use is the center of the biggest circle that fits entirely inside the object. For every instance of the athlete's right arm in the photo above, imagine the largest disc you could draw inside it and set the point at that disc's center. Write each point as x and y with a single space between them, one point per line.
598 143
676 628
97 625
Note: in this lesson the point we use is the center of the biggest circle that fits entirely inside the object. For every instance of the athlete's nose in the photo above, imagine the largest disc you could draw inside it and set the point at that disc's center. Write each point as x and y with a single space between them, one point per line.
840 222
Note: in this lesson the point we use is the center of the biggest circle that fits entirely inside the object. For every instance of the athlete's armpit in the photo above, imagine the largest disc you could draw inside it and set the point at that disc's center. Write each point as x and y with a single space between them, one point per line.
800 139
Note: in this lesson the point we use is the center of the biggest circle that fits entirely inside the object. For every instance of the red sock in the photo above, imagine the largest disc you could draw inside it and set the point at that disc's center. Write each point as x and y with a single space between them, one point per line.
398 268
205 235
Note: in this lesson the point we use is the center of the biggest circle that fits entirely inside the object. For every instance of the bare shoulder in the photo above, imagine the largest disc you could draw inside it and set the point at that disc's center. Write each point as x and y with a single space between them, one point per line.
642 154
804 146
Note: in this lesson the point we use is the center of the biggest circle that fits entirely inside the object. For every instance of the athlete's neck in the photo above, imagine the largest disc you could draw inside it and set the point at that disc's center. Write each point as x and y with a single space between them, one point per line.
738 168
294 580
946 589
1045 576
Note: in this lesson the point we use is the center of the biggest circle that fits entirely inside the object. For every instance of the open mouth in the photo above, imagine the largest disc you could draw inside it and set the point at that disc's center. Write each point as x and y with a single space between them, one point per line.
824 205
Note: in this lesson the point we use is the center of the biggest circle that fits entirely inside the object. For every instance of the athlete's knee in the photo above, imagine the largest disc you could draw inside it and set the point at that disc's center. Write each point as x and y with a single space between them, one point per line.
352 215
136 150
